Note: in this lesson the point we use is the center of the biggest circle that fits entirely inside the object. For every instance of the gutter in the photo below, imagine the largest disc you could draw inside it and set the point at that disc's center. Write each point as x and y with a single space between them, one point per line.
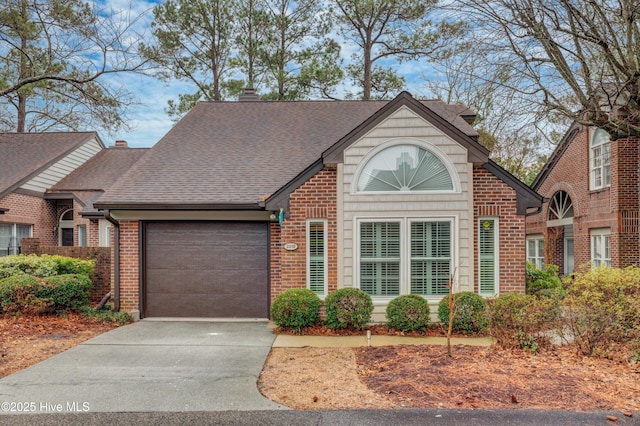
116 259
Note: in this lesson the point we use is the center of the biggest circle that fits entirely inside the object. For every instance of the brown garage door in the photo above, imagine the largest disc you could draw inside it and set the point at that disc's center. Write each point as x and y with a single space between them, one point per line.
206 269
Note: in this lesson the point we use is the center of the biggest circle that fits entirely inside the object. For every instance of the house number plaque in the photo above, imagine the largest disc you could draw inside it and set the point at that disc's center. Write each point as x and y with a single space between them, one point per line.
290 246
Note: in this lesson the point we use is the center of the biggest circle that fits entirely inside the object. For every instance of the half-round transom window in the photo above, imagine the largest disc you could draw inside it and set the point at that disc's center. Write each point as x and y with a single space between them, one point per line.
405 168
560 206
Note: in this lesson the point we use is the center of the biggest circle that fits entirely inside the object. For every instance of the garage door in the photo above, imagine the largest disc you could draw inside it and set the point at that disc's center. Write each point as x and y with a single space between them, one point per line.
206 269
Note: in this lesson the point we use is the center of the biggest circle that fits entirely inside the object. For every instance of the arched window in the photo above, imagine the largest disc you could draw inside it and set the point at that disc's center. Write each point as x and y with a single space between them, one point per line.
560 206
404 168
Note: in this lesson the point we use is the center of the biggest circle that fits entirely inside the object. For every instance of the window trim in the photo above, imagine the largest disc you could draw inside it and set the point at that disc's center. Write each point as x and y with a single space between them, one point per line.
537 238
405 250
324 222
605 178
496 256
604 236
433 149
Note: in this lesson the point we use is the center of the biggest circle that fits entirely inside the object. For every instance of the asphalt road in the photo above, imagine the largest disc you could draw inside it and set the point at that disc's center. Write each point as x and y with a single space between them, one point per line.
405 417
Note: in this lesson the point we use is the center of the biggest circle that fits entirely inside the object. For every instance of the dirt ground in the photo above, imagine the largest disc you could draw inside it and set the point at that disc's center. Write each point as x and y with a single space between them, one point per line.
474 377
386 377
27 340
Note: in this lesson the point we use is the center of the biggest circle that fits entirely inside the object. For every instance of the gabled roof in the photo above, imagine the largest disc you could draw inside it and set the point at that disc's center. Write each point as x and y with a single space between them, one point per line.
88 182
25 155
562 146
235 154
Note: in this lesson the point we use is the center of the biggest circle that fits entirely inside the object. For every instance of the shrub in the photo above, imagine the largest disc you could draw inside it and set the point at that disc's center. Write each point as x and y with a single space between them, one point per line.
19 294
30 295
66 292
348 307
409 312
106 314
602 306
44 266
471 310
518 320
296 308
543 282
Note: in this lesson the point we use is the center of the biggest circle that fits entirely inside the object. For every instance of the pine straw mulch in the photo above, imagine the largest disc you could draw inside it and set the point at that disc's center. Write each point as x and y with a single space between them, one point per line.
27 340
423 376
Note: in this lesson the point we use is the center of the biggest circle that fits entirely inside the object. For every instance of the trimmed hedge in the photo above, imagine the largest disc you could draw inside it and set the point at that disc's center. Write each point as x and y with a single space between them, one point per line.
348 307
31 295
471 311
296 308
408 312
44 266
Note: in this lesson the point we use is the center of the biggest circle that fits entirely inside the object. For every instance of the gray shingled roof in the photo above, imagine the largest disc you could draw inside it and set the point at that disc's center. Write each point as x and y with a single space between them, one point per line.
23 155
236 153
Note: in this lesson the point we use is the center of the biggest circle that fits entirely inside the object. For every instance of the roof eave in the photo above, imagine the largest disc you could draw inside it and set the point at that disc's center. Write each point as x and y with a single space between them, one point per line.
183 206
526 198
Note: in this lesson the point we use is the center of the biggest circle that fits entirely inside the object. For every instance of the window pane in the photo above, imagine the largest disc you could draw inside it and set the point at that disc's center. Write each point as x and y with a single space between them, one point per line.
430 257
404 168
316 241
82 235
380 258
6 232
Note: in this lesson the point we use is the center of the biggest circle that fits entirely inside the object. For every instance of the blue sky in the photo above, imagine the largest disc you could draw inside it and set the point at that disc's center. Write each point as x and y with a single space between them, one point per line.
148 119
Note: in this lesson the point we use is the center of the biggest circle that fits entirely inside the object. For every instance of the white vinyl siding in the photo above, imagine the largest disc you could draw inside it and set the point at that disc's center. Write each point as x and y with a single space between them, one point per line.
317 256
11 235
405 256
601 247
535 250
60 169
488 256
600 159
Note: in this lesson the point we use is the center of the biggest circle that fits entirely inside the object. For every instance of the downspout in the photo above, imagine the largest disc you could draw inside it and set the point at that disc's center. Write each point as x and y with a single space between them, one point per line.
116 259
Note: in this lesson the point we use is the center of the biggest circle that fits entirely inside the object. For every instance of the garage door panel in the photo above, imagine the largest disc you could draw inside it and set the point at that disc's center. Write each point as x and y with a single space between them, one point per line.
206 269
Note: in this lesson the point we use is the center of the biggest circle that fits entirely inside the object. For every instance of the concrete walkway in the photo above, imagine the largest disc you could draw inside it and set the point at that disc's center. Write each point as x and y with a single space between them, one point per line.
150 366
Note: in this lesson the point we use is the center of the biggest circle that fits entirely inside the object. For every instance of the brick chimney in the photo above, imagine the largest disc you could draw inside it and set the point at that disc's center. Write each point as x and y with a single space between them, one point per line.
121 144
249 95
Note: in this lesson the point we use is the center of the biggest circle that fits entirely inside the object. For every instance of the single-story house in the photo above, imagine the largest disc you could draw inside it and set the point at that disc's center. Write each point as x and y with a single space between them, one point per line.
48 182
591 209
243 200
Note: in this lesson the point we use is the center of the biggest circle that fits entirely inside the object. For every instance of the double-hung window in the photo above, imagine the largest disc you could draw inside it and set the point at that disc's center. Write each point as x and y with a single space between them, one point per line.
601 247
11 234
535 250
600 159
403 256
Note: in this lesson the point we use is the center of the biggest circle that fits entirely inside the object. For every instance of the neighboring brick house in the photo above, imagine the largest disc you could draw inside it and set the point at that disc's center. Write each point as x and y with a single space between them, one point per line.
39 196
591 210
243 200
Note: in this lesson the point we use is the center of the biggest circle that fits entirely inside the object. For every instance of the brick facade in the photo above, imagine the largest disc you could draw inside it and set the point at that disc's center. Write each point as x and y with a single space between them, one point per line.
315 199
31 210
494 198
615 207
129 265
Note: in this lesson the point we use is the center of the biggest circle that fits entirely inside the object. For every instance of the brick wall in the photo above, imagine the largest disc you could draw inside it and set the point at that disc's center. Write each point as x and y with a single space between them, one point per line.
494 198
129 265
615 207
101 279
315 199
29 210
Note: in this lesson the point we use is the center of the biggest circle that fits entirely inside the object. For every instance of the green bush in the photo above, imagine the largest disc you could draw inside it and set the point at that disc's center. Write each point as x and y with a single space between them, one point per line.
106 314
602 306
348 307
408 312
19 294
519 320
30 295
296 308
543 282
471 311
44 266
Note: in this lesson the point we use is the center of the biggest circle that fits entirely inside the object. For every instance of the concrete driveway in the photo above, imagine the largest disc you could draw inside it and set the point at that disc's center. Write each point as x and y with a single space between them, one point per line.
149 366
